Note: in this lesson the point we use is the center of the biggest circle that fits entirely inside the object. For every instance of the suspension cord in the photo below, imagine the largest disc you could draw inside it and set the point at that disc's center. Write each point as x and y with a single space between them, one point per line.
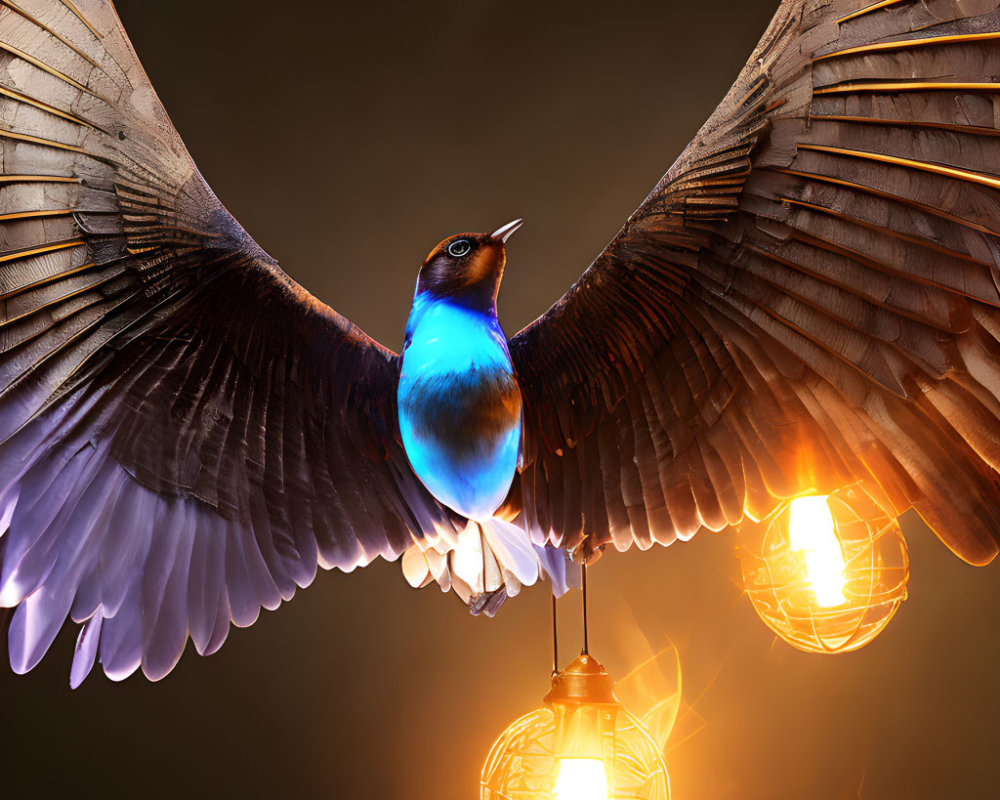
555 638
555 624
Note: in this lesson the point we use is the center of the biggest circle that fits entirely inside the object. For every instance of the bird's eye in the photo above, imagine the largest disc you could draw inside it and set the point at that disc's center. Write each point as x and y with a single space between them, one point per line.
459 248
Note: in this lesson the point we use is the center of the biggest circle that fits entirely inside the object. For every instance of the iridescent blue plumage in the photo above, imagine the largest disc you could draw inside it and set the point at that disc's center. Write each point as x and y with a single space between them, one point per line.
459 405
460 422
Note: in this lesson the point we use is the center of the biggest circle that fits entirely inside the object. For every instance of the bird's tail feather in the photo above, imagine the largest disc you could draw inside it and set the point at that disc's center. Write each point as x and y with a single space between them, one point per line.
490 561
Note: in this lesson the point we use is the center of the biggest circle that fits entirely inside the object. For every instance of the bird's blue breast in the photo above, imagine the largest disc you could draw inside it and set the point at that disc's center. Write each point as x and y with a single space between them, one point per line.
459 406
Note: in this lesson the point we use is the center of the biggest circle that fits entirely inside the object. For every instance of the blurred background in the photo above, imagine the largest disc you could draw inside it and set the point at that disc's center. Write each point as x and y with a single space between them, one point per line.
348 139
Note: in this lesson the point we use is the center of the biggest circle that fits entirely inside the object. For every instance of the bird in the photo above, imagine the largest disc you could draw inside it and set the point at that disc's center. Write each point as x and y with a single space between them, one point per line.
807 299
459 413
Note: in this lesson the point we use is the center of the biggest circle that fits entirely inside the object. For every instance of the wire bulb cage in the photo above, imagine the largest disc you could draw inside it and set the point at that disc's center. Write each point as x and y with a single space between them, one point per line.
825 572
580 745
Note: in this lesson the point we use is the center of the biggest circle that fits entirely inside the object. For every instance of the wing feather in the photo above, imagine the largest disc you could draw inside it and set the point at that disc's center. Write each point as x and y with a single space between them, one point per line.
806 299
185 433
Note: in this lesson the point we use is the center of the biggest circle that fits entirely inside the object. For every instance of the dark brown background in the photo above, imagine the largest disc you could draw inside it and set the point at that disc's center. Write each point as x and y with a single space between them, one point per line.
348 140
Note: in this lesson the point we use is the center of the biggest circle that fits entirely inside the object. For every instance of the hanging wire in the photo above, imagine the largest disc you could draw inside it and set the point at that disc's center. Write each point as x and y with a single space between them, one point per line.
555 639
586 627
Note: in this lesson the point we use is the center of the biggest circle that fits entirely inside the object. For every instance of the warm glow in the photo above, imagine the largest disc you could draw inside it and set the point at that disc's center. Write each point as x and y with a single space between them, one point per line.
581 779
580 745
825 573
811 531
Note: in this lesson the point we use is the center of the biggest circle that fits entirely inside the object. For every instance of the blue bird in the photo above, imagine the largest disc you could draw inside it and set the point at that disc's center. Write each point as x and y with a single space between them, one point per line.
459 403
460 420
806 300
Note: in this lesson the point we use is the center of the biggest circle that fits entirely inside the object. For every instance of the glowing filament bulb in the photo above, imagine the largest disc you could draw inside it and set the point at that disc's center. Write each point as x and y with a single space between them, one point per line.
581 779
811 531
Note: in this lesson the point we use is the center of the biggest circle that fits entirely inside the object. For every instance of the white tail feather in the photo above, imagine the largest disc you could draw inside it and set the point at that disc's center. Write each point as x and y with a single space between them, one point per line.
512 547
484 558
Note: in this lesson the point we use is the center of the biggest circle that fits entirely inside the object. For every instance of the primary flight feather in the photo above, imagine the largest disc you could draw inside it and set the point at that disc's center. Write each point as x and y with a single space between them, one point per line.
808 298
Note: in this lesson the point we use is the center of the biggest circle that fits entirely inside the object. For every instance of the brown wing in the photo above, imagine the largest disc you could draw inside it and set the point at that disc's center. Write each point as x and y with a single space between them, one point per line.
185 433
808 298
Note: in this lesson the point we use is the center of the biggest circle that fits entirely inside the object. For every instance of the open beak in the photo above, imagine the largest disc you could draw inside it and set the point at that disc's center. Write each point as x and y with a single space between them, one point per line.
503 233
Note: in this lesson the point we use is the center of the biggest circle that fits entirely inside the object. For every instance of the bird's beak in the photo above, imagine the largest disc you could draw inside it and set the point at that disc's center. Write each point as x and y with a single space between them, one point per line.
503 233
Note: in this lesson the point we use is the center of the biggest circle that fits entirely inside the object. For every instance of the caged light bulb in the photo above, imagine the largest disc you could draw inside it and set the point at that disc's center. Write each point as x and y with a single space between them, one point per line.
825 572
580 745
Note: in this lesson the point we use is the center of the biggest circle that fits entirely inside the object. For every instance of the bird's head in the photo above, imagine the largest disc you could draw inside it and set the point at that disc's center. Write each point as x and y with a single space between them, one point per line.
467 268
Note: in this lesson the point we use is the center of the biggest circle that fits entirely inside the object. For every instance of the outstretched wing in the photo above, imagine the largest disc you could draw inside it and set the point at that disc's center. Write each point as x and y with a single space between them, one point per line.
808 298
185 433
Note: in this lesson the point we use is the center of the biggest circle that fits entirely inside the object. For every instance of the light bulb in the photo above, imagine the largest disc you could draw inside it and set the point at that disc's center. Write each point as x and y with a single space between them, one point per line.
811 531
580 745
581 779
825 572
